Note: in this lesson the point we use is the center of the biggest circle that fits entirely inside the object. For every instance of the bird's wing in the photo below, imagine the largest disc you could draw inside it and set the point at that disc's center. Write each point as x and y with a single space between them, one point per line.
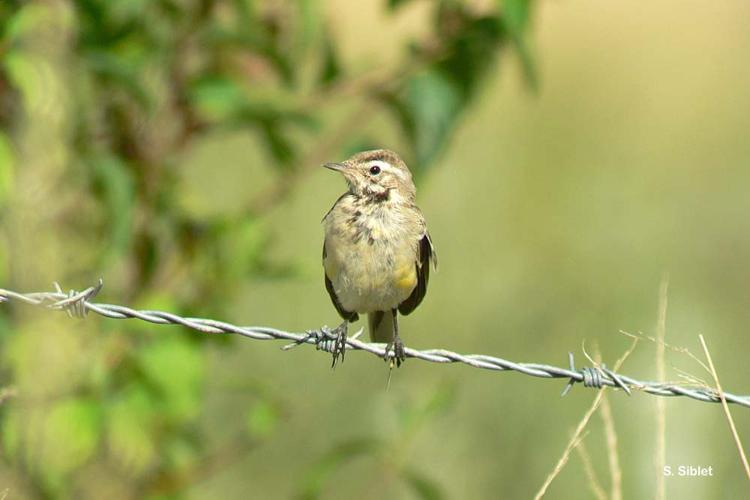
427 256
351 316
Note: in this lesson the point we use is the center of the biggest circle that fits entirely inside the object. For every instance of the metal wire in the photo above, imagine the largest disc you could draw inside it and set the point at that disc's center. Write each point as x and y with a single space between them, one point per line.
79 304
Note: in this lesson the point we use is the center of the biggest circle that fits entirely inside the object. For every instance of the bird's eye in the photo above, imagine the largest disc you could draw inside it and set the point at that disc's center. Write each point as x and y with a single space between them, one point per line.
374 170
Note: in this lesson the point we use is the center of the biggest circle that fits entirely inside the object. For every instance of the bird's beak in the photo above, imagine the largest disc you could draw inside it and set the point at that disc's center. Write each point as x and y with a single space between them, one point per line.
339 167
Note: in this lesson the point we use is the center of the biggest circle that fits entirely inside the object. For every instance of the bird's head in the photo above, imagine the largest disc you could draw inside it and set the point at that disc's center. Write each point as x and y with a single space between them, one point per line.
379 174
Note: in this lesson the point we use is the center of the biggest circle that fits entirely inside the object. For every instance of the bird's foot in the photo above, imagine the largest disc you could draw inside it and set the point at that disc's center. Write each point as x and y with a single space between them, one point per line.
338 336
395 353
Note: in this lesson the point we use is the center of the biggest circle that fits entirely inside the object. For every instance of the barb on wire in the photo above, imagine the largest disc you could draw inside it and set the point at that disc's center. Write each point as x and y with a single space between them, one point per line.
78 304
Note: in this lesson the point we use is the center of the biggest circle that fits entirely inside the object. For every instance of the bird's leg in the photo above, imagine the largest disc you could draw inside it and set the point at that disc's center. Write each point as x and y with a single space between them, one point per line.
339 343
399 355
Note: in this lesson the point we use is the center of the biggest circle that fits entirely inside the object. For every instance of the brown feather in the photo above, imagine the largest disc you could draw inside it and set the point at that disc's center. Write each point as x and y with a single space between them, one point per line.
426 256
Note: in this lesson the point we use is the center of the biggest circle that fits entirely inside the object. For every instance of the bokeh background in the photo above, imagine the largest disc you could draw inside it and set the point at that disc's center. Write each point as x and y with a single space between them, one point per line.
569 156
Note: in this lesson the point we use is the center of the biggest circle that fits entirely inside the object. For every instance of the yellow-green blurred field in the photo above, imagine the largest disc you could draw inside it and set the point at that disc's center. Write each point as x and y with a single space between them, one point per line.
556 214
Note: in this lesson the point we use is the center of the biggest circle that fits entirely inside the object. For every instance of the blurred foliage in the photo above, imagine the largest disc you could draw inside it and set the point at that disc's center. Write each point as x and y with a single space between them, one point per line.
389 454
147 79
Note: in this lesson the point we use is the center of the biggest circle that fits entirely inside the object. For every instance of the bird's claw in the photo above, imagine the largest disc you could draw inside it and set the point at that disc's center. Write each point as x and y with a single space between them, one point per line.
395 353
338 336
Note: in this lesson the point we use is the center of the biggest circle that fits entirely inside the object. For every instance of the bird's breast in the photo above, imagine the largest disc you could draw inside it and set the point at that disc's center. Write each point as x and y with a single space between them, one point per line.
370 259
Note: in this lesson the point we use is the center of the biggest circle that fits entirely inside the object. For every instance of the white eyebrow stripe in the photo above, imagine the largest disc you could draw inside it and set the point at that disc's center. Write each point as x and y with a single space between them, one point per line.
384 165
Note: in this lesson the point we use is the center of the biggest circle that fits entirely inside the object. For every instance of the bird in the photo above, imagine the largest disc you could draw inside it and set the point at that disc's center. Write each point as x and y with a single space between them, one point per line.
377 251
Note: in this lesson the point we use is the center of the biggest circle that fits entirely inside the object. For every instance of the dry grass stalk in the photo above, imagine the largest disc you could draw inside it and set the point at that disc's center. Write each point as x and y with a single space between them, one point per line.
588 468
661 404
615 471
735 435
576 438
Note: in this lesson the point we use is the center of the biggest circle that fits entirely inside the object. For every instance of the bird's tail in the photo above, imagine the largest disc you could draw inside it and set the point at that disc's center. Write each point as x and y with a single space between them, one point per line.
381 326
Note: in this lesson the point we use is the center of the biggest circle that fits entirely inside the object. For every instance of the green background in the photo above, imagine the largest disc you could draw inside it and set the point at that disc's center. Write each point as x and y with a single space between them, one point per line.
569 155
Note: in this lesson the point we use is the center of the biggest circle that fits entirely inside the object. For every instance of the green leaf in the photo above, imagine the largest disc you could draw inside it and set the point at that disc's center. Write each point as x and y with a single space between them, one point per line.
222 100
29 18
121 70
471 51
278 142
395 4
315 479
130 423
175 365
123 11
246 13
309 22
331 65
433 103
7 14
262 419
516 16
24 72
281 60
216 97
423 486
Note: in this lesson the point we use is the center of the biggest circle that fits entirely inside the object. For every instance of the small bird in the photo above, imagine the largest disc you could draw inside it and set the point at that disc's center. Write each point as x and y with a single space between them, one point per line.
377 251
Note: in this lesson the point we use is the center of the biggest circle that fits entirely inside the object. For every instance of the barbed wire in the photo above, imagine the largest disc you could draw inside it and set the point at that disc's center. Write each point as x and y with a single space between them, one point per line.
78 304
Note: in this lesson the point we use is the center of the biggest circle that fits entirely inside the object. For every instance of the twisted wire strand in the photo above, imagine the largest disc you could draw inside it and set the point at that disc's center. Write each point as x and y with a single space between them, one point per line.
78 304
